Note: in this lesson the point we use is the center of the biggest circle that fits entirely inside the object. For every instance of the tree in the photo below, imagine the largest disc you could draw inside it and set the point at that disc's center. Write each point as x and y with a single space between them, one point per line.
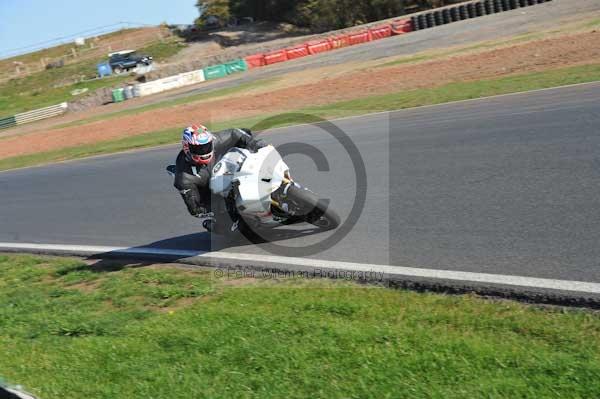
213 8
318 15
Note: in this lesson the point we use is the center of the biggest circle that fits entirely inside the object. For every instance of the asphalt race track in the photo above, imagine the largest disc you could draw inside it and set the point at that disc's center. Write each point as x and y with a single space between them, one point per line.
507 185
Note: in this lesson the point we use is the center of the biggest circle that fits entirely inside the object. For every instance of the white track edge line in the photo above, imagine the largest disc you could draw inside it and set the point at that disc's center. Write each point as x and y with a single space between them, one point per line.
511 280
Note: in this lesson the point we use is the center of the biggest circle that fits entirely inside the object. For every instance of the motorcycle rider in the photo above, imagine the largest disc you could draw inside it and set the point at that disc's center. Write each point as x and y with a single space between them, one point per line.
201 149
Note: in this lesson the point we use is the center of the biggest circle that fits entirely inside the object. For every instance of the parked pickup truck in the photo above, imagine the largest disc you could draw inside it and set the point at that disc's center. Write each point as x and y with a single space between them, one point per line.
125 60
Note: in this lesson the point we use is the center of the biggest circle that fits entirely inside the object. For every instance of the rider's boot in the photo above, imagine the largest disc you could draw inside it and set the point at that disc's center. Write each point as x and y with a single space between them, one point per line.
209 225
235 226
212 226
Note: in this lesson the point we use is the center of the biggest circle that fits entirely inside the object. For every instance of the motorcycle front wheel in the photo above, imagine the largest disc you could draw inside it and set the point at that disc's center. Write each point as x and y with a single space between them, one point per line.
311 209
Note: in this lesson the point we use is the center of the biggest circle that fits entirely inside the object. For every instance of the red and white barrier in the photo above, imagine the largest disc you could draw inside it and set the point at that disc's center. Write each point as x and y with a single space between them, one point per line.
255 61
397 27
275 56
401 26
319 46
359 37
297 52
339 41
380 32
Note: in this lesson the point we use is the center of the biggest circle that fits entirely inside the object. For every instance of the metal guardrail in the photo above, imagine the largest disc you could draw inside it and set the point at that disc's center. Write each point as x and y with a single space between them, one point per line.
8 122
32 116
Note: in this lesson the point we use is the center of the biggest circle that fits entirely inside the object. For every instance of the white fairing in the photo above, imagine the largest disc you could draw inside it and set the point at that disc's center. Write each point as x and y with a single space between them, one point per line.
258 174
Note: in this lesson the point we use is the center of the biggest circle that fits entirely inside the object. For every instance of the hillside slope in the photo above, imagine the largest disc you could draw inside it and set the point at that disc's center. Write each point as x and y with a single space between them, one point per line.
70 53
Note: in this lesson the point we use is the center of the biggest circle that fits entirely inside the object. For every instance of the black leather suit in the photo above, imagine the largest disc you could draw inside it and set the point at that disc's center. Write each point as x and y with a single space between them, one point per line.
192 180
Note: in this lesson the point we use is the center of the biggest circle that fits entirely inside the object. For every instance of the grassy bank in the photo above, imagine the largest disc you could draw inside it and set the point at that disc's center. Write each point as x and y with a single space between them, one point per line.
71 331
406 99
53 86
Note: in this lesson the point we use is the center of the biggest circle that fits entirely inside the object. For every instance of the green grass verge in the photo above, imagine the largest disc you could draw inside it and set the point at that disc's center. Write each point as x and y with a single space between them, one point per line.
407 99
103 147
594 23
45 88
68 330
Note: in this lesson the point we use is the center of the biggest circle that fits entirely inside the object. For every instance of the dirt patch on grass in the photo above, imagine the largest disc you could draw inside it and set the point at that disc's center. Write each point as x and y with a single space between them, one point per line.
552 53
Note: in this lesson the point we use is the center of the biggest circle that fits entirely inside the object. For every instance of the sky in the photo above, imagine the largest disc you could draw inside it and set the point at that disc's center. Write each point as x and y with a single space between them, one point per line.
27 22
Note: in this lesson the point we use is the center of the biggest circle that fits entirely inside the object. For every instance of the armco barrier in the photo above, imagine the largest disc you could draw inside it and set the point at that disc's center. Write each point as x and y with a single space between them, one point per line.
32 116
358 37
380 32
215 72
339 41
42 113
297 52
236 66
316 47
401 26
5 123
275 56
255 61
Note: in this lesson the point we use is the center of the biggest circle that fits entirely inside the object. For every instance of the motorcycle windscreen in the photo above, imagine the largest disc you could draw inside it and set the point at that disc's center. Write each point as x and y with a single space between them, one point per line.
222 176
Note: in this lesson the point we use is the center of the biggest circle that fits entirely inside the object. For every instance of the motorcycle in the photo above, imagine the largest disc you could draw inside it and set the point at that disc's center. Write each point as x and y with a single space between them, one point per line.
257 187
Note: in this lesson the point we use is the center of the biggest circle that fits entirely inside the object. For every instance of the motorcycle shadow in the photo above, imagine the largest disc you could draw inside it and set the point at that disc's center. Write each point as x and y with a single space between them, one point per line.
261 236
205 241
199 243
